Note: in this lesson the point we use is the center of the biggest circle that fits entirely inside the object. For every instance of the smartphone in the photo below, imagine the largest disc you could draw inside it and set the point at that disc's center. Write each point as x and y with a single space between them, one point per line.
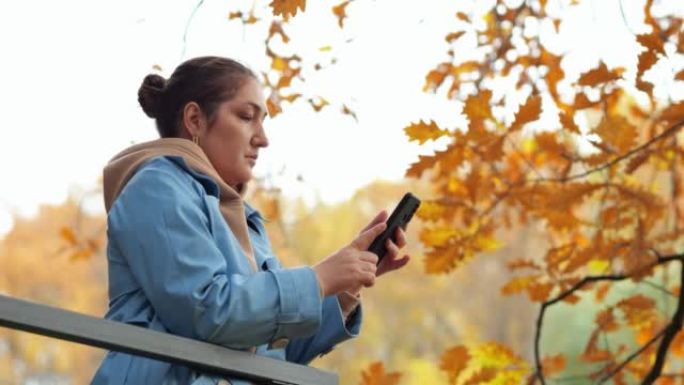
400 217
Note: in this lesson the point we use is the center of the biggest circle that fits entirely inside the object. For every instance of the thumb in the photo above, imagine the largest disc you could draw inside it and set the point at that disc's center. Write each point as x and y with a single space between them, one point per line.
363 241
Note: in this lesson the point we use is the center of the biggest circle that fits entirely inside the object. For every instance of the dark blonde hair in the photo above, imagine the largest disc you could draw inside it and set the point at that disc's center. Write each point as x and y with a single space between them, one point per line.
207 81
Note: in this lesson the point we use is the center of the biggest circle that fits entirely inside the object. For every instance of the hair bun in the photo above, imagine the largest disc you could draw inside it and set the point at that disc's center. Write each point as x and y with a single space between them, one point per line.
150 94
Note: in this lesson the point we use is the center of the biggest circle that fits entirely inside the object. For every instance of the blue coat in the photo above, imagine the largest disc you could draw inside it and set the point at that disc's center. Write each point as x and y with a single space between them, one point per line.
175 266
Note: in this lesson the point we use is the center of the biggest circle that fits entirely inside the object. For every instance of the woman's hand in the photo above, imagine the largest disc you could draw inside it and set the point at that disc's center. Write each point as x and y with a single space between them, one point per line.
351 267
391 260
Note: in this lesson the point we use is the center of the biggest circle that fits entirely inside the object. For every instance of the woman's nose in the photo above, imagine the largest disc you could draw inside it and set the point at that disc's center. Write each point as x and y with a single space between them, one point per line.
260 139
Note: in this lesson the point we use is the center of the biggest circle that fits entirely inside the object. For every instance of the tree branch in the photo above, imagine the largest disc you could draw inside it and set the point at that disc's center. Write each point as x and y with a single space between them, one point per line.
615 277
670 333
671 130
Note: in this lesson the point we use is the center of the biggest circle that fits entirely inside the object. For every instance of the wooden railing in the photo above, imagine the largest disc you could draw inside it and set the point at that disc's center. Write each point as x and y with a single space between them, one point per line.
205 357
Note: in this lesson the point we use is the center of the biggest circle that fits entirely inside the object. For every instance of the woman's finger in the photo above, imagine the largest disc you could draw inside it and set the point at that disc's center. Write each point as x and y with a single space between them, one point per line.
379 218
392 250
401 237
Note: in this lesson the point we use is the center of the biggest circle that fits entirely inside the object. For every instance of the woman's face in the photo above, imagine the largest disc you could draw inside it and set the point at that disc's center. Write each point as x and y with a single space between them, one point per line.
233 140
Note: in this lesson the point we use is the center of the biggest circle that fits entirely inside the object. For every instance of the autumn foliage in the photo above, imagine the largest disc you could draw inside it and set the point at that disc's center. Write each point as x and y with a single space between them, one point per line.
589 159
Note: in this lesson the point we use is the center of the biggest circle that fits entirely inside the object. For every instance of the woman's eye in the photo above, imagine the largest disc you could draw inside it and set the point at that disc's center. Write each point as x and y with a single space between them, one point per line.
246 118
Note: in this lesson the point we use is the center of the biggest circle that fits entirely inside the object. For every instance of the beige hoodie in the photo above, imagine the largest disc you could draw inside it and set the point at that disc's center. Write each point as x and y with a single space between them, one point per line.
125 164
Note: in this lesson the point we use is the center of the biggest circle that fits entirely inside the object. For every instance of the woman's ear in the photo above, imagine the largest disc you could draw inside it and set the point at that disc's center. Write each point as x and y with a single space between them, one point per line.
194 122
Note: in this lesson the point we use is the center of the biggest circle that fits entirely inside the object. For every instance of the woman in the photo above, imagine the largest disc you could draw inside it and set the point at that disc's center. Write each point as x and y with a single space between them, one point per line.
186 255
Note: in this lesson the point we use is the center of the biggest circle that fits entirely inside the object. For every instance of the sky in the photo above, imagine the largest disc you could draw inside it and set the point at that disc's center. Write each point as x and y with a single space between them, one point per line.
72 68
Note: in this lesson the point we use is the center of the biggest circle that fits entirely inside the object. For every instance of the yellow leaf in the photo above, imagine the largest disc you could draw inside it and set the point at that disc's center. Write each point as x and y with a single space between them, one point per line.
598 266
599 75
487 243
437 236
326 48
375 375
454 361
529 112
423 132
279 64
425 162
340 11
287 8
430 211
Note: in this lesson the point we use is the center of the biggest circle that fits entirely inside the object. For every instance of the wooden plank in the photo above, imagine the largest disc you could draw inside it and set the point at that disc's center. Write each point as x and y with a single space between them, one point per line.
67 325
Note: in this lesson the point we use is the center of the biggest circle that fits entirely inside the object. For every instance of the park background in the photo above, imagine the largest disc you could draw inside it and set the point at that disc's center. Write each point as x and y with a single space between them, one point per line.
348 146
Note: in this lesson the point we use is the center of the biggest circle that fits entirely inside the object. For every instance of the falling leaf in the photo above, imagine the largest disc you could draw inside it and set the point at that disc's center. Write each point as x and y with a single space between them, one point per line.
529 112
341 13
276 28
287 8
347 111
375 375
422 132
599 75
680 75
454 35
235 15
318 104
326 48
646 60
462 16
454 361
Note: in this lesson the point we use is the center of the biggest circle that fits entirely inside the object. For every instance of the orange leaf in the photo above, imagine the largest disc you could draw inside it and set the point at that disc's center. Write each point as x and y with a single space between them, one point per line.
68 235
568 122
463 17
599 75
477 106
347 111
553 364
481 376
638 310
454 361
287 8
375 375
606 320
340 11
602 291
518 264
652 42
680 75
235 15
277 28
677 347
436 77
617 133
425 162
422 132
673 113
646 60
529 112
454 35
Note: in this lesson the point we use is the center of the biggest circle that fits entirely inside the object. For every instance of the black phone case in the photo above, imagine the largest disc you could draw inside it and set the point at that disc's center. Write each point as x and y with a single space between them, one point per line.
400 217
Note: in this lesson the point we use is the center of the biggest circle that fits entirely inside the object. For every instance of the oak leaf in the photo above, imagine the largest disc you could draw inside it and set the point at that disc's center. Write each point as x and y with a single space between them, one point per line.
652 42
340 11
422 132
617 133
287 8
599 75
454 361
375 375
529 112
